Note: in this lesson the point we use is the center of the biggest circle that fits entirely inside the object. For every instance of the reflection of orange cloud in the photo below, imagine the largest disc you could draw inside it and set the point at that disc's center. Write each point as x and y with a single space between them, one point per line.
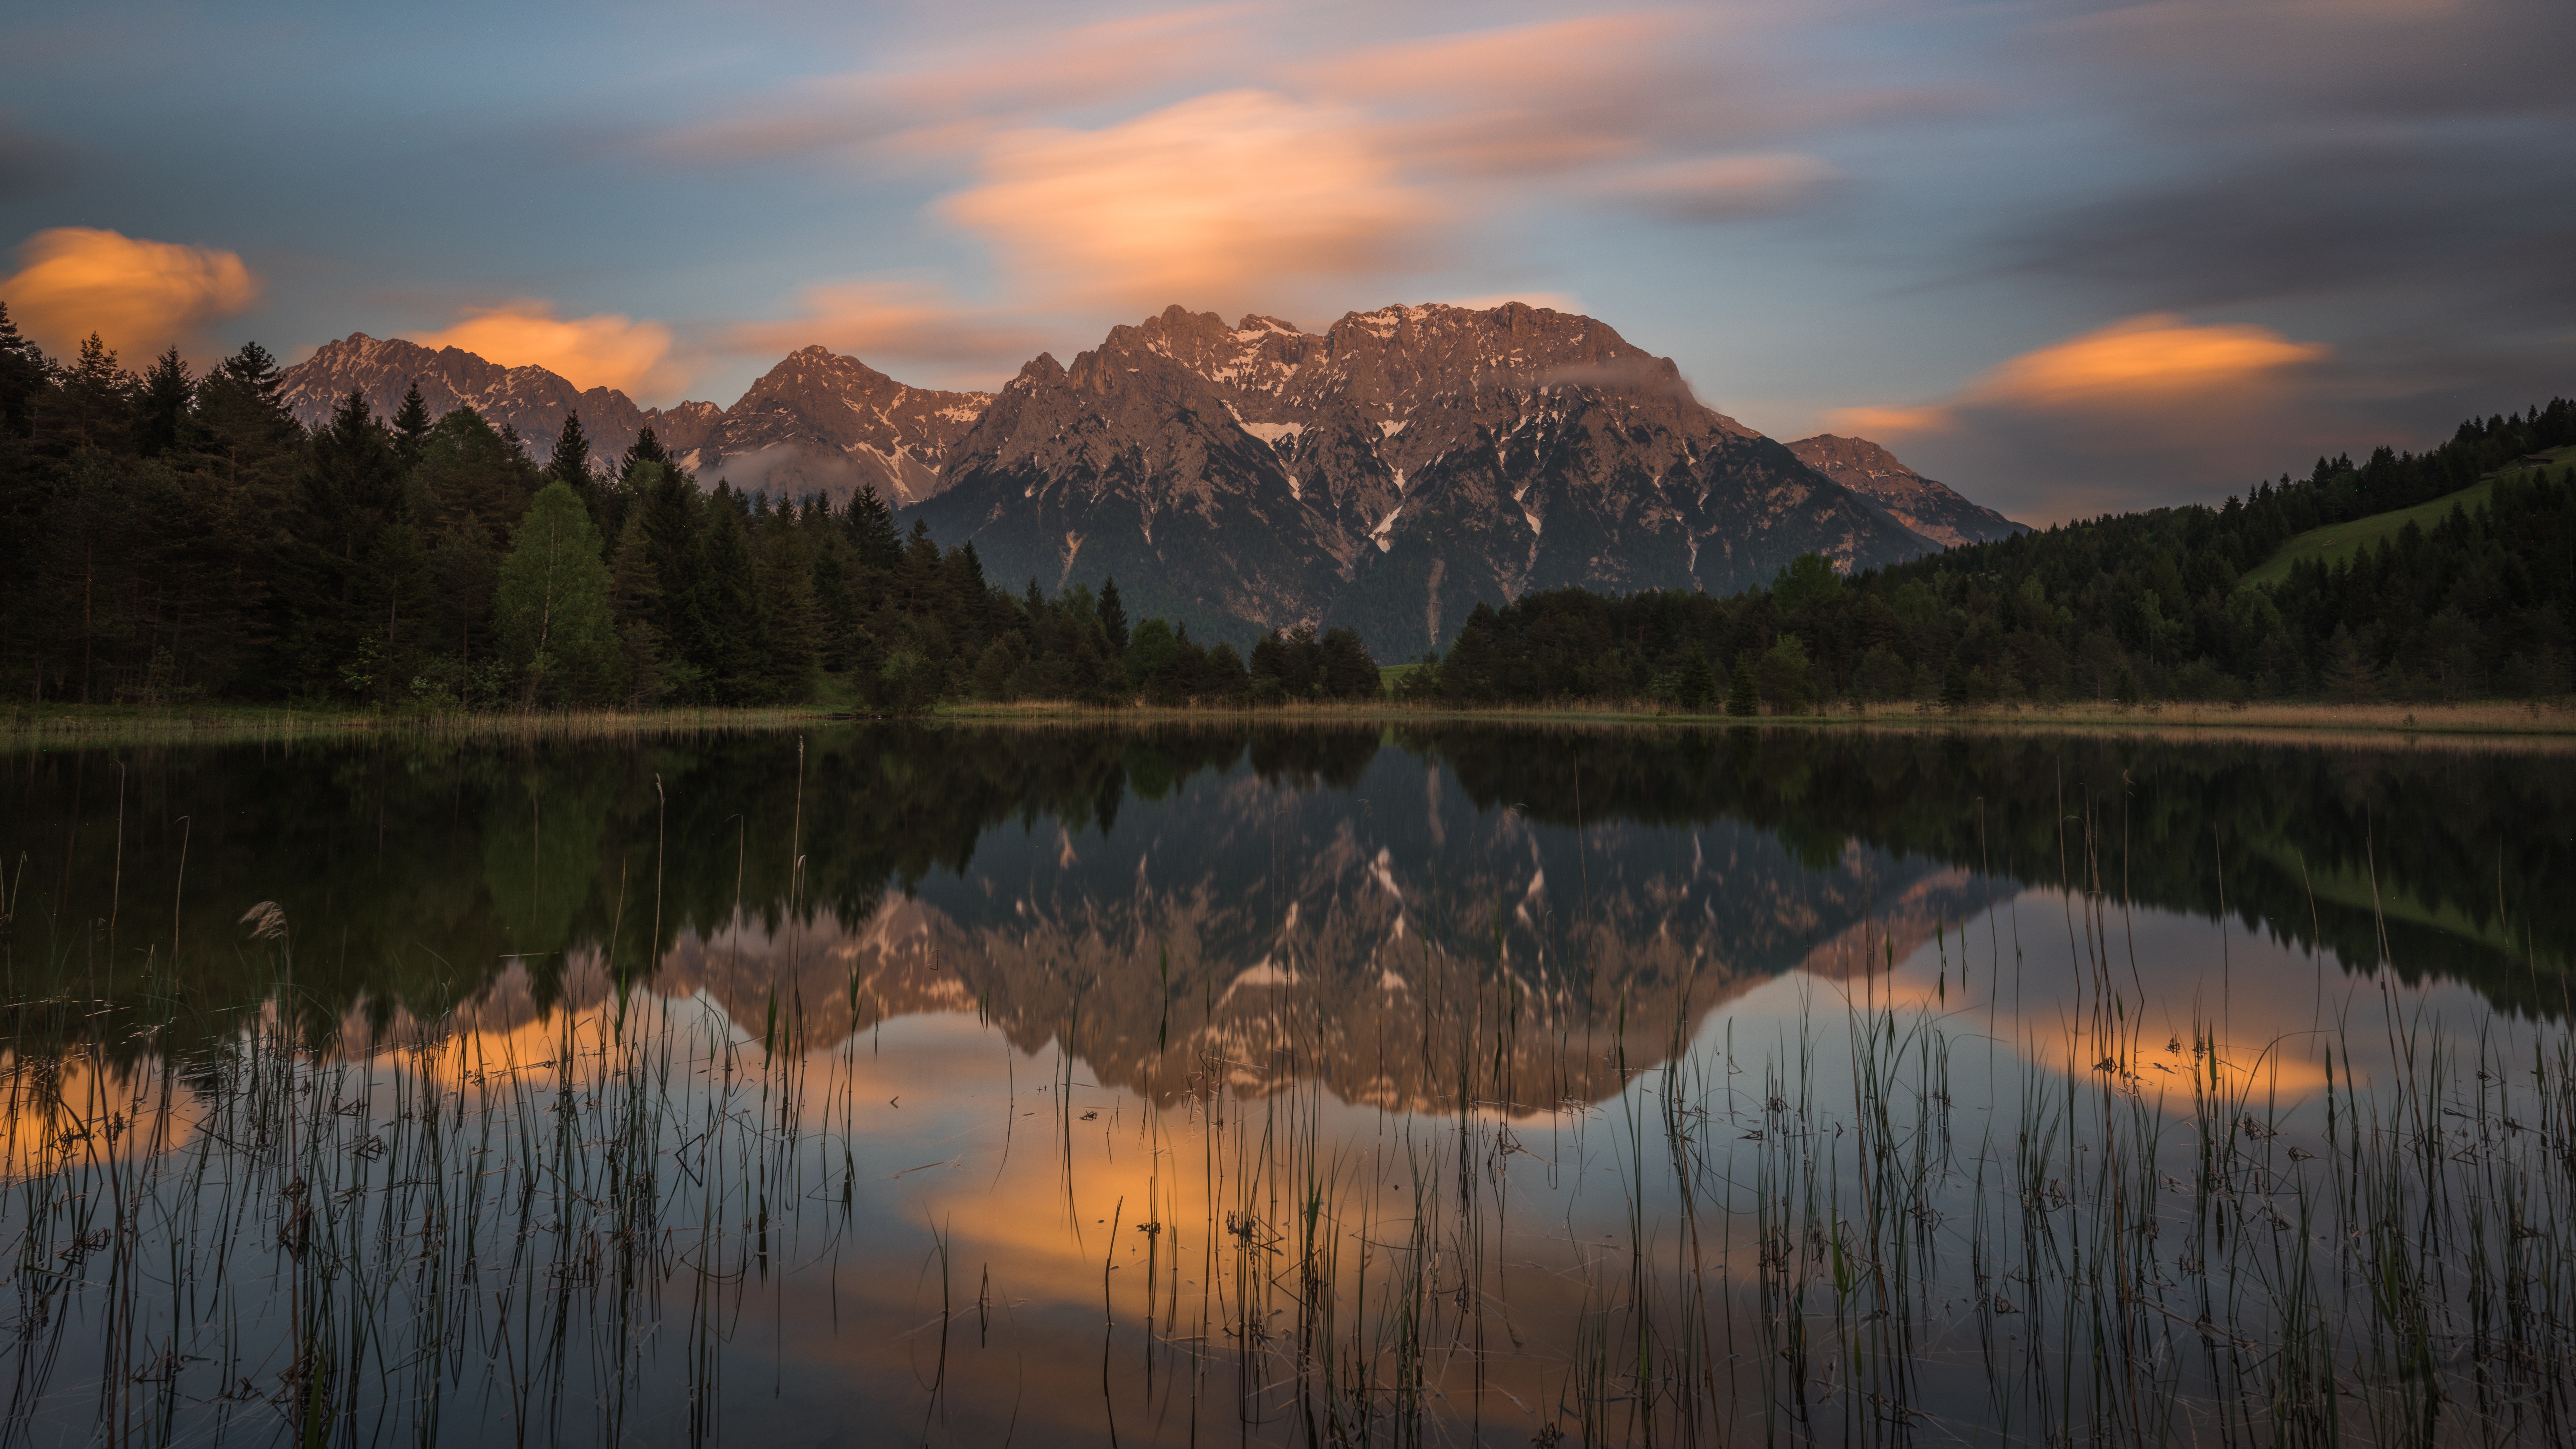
1206 199
54 1114
601 351
2150 362
138 295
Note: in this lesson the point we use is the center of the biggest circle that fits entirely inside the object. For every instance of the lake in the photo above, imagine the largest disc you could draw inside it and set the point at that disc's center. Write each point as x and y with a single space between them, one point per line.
1282 1084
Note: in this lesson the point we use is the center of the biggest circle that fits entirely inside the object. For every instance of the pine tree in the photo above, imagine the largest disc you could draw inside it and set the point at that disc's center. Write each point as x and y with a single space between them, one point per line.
732 649
569 464
411 426
1741 697
1113 616
635 598
23 373
163 405
869 526
790 634
645 449
552 609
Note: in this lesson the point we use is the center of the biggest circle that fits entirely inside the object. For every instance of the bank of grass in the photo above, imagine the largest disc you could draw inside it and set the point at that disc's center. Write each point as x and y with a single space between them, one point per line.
2497 717
54 726
59 725
2337 542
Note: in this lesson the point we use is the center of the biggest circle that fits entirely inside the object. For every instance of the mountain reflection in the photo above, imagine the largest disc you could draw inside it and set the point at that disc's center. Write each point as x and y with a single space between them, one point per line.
1514 913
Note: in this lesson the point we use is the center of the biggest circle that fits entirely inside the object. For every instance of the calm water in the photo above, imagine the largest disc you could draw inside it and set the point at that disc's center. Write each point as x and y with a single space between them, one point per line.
1451 1085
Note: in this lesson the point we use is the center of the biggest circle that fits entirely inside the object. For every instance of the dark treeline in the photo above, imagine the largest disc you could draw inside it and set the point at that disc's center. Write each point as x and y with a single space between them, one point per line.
2136 606
415 871
168 538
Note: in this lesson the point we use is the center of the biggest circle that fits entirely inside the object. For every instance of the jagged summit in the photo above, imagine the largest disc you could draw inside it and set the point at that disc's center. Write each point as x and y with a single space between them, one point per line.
530 399
823 422
1931 509
1389 473
817 422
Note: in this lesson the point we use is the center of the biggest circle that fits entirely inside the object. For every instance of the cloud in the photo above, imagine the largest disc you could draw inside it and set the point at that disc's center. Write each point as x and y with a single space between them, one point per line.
2148 411
140 296
1227 198
607 350
1727 188
946 103
872 320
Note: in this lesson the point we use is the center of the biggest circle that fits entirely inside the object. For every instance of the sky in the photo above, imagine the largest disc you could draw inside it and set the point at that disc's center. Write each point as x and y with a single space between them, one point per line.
2069 257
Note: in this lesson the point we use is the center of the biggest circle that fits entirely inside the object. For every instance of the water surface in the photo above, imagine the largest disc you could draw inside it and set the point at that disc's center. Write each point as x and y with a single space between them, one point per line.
1456 1084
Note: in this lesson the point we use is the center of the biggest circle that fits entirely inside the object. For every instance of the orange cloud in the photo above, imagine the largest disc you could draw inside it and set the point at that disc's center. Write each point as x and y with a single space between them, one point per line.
2151 363
1224 197
140 296
607 350
2158 355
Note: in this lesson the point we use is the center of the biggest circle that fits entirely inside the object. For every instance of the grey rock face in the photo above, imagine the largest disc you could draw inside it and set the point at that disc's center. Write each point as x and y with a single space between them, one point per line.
1931 509
530 399
816 423
1387 474
819 422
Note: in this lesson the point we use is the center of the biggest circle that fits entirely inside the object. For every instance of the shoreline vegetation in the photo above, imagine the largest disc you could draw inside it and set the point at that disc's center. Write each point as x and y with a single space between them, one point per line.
39 726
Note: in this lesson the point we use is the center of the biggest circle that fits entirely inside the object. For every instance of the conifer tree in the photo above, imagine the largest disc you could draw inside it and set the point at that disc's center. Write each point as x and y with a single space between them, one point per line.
1741 698
669 509
411 426
23 373
645 449
790 634
163 405
635 599
729 622
1113 615
869 525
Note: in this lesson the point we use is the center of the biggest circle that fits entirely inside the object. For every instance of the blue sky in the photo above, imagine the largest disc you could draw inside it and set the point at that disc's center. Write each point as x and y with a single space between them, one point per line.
2066 256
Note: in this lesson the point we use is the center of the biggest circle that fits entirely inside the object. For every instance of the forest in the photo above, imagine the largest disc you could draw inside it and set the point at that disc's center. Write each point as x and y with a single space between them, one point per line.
175 539
2129 607
169 539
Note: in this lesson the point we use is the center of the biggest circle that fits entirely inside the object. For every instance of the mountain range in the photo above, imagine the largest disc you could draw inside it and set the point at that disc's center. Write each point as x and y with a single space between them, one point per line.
1388 473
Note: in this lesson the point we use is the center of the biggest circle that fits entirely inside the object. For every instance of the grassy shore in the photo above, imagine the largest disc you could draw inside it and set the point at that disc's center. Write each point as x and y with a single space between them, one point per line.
57 726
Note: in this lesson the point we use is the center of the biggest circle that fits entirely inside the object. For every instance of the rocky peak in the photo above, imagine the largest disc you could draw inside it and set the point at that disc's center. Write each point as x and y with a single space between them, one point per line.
1934 510
822 422
530 399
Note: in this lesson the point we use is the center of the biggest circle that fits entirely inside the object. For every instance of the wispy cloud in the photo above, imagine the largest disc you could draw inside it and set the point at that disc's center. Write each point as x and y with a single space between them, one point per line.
1221 199
2149 410
139 296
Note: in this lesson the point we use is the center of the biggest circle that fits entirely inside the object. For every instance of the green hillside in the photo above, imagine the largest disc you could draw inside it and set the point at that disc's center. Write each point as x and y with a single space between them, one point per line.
2338 541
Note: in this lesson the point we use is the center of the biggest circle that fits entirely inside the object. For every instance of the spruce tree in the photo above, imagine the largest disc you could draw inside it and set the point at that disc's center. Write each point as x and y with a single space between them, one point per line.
1113 616
645 449
162 411
1741 697
569 464
23 373
411 426
790 625
733 647
869 525
635 598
